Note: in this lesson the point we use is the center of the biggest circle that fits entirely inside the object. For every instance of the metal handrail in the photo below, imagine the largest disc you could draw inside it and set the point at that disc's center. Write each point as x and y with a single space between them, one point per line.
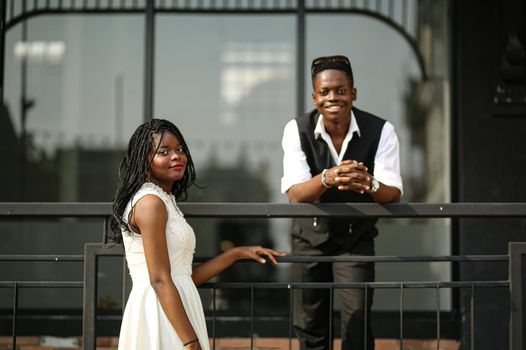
280 210
15 211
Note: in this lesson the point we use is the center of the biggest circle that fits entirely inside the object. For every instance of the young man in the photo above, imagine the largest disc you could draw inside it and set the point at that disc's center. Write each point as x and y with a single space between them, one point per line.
337 154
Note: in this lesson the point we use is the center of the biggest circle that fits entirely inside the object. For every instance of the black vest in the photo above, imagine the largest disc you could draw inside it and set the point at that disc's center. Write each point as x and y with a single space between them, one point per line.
343 231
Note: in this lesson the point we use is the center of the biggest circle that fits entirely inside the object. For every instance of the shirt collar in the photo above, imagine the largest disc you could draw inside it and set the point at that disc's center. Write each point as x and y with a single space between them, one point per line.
320 128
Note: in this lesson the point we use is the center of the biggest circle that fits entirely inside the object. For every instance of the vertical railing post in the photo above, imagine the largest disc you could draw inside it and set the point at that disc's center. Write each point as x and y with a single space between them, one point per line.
331 313
251 316
90 297
291 314
365 308
15 312
401 316
214 316
517 256
91 253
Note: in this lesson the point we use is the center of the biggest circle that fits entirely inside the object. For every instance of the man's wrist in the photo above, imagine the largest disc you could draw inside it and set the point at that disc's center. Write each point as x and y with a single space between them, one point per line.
374 186
324 179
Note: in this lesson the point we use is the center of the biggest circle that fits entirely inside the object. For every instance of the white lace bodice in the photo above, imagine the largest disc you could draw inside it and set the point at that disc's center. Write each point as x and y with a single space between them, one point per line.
180 236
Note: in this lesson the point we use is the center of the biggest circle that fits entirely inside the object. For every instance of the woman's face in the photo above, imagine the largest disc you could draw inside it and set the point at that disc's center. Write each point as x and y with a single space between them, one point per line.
168 160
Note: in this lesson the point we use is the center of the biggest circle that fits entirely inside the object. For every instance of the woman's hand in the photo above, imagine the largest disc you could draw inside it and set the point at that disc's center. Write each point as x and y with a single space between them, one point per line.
256 253
211 268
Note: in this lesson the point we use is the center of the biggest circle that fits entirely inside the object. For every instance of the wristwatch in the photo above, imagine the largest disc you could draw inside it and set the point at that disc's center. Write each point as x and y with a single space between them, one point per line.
375 185
324 179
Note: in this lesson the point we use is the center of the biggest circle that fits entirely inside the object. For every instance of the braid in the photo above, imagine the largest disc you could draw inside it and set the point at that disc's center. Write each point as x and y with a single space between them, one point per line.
135 168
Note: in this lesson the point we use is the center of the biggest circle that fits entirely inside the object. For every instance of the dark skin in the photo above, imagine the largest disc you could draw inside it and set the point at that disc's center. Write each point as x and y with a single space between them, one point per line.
333 95
149 217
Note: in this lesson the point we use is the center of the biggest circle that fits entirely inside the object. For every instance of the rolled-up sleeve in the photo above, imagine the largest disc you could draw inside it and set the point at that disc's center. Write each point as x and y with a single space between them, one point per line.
387 160
295 167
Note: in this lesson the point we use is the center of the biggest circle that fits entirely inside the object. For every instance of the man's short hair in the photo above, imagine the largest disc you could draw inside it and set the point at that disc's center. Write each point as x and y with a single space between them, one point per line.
338 62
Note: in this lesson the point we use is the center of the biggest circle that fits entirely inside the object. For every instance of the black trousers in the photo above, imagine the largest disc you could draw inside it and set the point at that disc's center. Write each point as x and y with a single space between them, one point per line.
312 306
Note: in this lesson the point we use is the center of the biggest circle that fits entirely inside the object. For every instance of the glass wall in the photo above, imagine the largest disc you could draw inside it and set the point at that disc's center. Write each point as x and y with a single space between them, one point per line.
73 89
74 92
230 87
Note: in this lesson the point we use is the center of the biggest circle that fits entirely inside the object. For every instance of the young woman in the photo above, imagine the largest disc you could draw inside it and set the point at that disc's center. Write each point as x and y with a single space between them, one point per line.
164 311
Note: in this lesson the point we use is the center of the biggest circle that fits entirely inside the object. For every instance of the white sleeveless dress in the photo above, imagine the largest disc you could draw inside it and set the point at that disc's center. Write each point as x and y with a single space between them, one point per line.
144 323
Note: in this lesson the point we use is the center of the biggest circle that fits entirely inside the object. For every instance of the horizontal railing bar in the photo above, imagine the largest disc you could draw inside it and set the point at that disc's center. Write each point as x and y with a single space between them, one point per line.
62 209
48 317
379 258
463 258
360 285
232 318
282 285
354 210
42 284
280 210
51 258
288 259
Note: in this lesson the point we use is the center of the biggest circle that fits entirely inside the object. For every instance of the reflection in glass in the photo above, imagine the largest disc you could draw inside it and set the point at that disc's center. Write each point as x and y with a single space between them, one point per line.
74 92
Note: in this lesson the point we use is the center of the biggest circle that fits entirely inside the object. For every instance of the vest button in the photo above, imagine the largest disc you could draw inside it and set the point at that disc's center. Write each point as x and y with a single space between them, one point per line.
350 228
315 222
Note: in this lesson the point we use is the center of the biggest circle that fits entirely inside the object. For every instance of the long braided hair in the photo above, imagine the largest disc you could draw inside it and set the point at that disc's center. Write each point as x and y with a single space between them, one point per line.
134 170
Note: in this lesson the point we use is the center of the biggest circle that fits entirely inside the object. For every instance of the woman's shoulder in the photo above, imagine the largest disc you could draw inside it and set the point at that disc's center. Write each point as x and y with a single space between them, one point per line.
150 200
151 190
148 209
149 194
149 206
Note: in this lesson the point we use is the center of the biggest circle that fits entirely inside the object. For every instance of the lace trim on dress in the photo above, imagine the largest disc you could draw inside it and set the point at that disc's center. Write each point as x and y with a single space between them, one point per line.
163 193
176 222
145 189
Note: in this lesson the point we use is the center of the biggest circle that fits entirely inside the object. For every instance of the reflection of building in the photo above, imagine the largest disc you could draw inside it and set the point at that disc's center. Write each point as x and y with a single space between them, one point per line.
425 164
244 67
30 175
88 175
74 174
427 112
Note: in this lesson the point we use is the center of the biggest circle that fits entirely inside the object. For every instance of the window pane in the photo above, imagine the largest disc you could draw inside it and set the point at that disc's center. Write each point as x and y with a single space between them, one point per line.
230 87
81 82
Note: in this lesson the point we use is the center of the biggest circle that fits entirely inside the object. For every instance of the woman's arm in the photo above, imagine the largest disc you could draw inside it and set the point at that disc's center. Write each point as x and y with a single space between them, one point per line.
150 217
211 268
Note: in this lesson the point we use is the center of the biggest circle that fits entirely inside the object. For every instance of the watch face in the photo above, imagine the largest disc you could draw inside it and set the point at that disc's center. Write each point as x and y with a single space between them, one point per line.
374 185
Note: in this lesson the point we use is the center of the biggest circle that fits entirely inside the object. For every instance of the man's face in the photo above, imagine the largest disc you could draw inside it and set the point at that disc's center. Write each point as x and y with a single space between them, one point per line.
333 94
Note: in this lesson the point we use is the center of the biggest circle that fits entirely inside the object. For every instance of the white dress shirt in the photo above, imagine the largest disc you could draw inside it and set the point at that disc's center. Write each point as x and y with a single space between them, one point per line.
296 169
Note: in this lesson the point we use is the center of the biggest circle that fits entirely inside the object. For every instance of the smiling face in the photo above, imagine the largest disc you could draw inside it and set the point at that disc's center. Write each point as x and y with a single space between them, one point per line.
333 95
168 160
